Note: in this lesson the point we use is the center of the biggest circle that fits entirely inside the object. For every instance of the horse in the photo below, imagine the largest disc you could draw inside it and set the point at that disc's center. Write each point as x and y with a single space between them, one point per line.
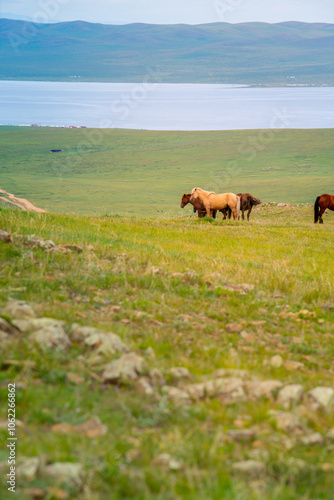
213 201
247 201
197 204
321 203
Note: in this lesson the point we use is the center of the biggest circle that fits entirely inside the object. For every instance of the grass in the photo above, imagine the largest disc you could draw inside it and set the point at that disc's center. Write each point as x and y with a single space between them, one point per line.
143 173
287 258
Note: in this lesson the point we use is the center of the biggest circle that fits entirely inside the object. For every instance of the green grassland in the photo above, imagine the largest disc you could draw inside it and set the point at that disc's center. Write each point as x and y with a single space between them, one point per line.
145 173
288 259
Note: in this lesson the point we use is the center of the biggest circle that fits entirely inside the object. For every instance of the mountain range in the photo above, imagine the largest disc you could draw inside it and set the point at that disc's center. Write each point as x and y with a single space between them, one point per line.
249 53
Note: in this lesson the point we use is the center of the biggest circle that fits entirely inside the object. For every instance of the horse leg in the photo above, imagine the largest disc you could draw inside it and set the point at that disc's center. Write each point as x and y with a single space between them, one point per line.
229 213
322 211
214 213
249 212
208 211
235 213
243 213
223 211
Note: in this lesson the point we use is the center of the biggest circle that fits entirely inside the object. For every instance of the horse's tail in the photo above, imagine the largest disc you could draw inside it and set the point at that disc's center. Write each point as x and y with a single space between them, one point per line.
316 210
238 206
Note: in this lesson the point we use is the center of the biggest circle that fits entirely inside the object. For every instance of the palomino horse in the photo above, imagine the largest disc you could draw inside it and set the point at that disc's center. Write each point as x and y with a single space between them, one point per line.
197 204
247 201
321 203
213 201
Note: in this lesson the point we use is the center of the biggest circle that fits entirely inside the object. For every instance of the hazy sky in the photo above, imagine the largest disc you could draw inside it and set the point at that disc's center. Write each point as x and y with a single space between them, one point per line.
170 11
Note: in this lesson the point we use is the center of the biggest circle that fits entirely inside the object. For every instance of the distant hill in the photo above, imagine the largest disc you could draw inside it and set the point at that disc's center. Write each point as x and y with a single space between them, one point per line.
252 53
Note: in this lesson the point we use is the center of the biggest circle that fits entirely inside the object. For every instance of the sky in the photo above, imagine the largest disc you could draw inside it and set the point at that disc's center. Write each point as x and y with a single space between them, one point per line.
169 11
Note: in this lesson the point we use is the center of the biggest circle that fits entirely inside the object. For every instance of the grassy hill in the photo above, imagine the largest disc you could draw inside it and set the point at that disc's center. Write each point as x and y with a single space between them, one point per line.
243 305
145 173
251 53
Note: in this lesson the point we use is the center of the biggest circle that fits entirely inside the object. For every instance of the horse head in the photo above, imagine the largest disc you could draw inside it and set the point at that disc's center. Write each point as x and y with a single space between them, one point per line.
185 200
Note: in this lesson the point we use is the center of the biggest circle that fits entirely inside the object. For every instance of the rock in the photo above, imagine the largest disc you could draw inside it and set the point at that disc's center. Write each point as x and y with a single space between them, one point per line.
177 395
22 324
195 391
312 439
92 428
179 372
321 398
293 365
75 378
259 454
166 460
143 385
233 328
190 274
149 352
258 323
32 240
230 372
63 428
330 435
4 236
72 474
248 337
297 465
106 343
28 467
19 309
287 422
247 287
249 468
263 389
7 327
25 325
75 248
276 361
242 435
127 368
155 271
50 337
156 377
227 390
290 395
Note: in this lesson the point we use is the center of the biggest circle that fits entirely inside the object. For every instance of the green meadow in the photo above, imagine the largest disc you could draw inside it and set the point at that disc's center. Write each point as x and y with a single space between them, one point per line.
247 304
170 288
145 173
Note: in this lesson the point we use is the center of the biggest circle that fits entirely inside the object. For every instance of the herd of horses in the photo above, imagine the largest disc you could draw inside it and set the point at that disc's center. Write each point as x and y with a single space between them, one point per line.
209 203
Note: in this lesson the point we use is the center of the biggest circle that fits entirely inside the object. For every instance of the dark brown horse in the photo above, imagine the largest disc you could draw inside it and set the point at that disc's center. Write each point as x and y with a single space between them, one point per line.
247 202
321 203
197 204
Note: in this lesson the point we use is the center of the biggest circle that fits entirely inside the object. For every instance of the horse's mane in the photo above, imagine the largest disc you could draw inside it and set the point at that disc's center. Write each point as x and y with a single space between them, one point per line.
202 191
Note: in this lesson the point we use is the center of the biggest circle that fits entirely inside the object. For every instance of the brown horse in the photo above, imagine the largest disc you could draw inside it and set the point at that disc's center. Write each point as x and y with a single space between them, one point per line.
321 203
197 204
247 201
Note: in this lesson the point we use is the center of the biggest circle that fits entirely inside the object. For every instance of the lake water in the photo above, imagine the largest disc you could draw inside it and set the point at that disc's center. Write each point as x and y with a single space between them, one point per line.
164 106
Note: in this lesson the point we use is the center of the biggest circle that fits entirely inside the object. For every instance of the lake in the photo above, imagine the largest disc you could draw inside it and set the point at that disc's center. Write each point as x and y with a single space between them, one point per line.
154 106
